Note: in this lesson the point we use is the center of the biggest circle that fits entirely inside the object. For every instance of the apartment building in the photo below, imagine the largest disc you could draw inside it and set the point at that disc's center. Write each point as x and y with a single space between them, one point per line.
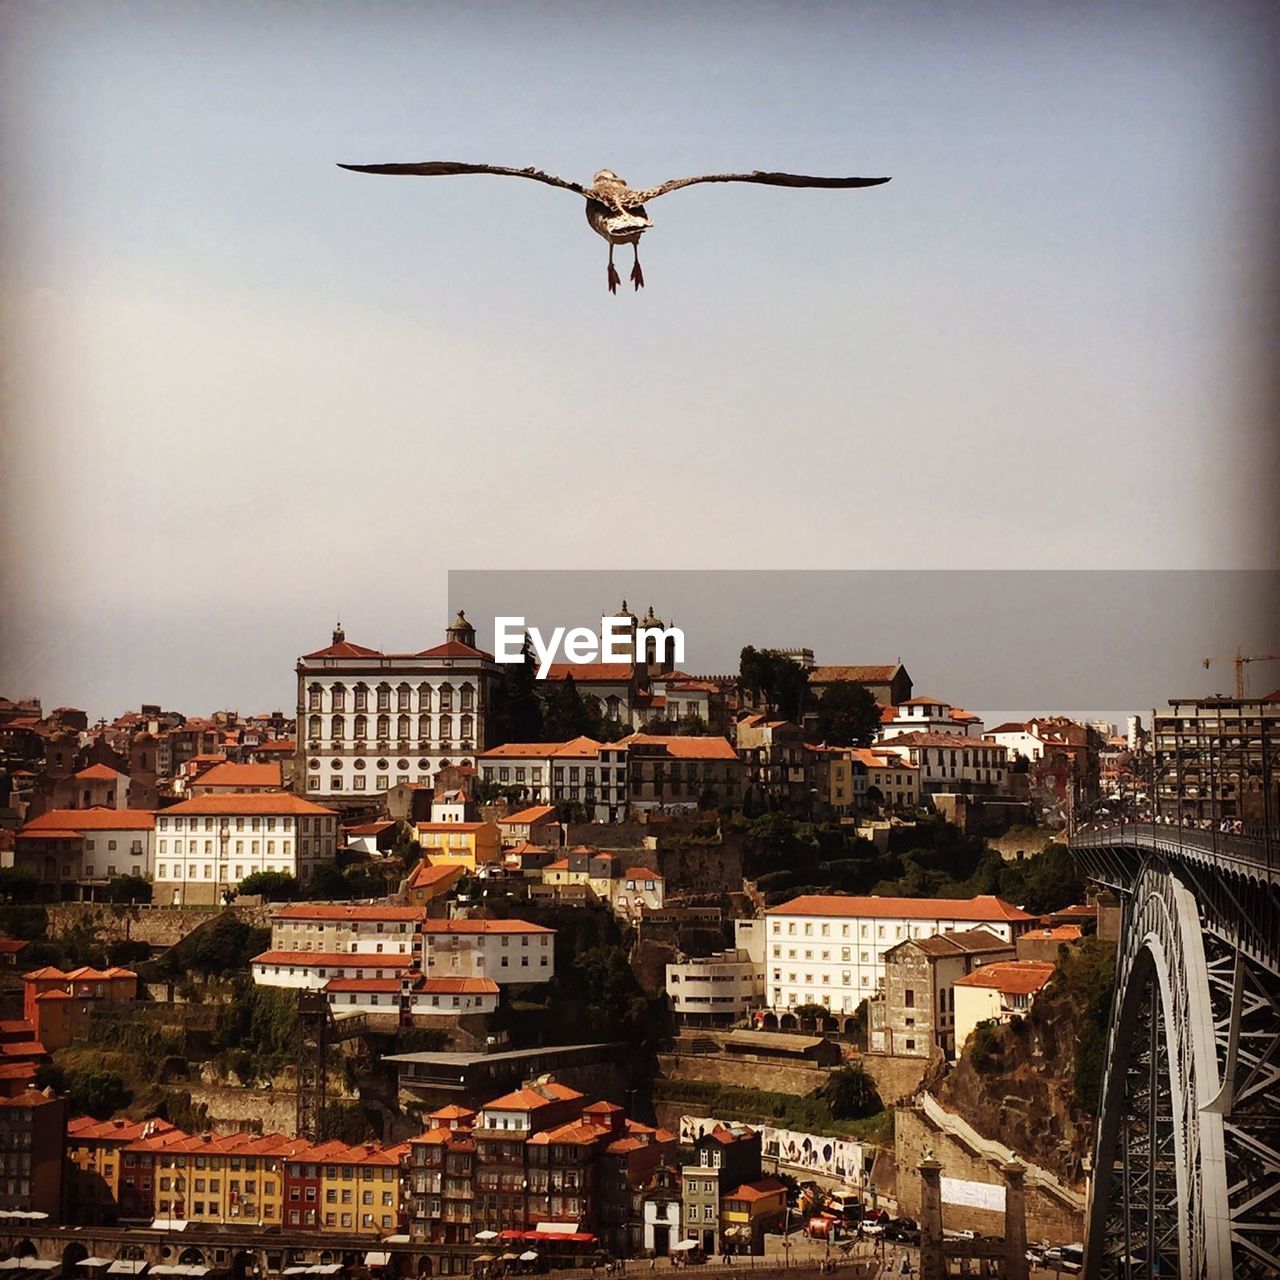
828 949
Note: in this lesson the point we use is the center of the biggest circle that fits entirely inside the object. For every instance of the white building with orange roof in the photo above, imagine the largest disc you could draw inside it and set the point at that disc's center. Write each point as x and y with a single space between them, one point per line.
926 714
73 853
580 771
896 781
828 949
376 928
369 720
676 772
995 993
313 970
207 845
511 952
412 995
953 762
226 778
534 824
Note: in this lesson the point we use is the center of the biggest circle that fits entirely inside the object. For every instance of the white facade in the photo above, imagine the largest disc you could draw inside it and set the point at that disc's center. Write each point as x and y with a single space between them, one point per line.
376 930
827 949
637 890
721 989
949 762
509 952
423 998
117 852
931 715
590 773
312 971
369 720
207 845
1018 739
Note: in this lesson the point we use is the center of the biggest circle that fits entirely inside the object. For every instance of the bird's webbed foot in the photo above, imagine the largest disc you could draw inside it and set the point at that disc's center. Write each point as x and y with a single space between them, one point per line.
637 276
614 278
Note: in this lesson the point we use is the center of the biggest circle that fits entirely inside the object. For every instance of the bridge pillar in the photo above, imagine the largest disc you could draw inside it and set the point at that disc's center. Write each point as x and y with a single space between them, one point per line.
1015 1223
933 1260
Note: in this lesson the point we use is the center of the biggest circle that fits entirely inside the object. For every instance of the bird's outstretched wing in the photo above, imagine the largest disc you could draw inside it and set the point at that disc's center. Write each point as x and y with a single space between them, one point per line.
767 179
436 168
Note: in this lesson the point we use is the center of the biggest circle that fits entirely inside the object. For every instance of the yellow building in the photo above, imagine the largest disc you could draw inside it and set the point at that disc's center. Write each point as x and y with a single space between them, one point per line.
360 1189
995 993
459 844
236 1178
749 1211
93 1160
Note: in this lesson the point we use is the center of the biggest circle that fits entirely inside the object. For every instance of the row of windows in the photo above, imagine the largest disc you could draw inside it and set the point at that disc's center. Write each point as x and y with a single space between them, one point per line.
403 697
405 726
824 930
284 823
255 846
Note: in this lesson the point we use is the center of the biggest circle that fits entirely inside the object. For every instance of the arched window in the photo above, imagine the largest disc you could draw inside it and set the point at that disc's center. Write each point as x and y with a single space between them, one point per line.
468 697
424 697
313 727
338 697
466 726
337 728
446 728
384 725
402 725
446 697
384 697
362 697
313 697
402 698
424 726
361 729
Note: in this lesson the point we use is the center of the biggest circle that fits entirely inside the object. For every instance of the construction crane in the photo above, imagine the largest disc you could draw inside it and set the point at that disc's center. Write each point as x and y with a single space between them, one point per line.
1240 660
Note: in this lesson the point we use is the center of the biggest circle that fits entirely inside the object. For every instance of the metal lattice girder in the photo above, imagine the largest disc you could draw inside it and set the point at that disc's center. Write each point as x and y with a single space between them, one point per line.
1192 1086
313 1064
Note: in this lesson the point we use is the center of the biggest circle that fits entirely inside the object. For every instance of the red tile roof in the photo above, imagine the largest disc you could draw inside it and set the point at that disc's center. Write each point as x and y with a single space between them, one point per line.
240 802
234 776
344 649
1009 977
75 821
343 911
593 672
482 926
694 747
529 815
453 649
99 772
984 906
873 674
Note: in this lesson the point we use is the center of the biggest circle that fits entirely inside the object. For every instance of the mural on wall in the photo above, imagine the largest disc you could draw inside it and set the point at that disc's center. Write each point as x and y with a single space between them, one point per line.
974 1195
802 1152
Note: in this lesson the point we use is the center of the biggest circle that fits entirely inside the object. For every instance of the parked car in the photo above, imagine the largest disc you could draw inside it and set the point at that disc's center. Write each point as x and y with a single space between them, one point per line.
874 1222
903 1231
1065 1257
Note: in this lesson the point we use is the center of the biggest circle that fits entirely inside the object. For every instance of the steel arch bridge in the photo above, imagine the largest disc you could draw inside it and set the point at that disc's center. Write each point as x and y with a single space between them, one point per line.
1187 1158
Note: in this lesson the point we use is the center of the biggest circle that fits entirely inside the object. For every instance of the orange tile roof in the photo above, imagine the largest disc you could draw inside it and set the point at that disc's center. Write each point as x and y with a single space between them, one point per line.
984 906
233 776
452 1112
28 1098
756 1190
593 672
529 815
82 820
481 926
426 873
873 674
451 826
262 802
344 649
685 747
99 772
531 1099
453 649
1009 977
922 738
641 873
460 986
1061 933
86 1128
341 911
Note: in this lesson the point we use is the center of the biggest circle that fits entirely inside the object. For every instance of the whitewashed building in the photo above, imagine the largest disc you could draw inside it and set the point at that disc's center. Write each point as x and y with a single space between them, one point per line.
374 928
207 845
828 949
584 771
950 762
369 720
929 715
508 951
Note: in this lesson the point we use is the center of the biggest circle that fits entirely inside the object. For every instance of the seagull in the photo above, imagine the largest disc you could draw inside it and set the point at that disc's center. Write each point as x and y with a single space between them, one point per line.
614 210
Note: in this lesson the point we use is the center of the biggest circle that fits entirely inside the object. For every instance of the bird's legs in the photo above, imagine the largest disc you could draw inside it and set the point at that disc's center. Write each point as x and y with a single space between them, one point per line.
614 278
637 276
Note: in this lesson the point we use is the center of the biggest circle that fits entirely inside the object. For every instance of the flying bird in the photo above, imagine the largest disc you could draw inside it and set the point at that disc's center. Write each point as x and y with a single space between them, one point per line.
614 210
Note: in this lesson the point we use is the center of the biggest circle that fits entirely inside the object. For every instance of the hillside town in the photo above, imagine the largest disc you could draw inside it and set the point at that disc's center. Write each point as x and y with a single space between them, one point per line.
451 970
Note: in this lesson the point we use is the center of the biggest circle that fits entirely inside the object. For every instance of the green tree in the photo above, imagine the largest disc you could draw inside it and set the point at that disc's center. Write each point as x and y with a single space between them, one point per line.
95 1092
227 946
782 684
327 883
129 889
273 886
847 715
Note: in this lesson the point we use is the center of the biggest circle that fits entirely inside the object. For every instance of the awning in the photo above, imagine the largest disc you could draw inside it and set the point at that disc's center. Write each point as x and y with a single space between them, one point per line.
94 1262
557 1228
376 1258
169 1224
487 1235
528 1256
683 1246
127 1267
181 1269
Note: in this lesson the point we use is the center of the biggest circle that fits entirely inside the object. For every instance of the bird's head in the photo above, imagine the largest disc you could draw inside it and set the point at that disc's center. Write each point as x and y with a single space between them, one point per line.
608 175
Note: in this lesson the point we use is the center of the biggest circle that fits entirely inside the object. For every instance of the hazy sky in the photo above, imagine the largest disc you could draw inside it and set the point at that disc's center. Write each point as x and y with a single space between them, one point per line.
246 391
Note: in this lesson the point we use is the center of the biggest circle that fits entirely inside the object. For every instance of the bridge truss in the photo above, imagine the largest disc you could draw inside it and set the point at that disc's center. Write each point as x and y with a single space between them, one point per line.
1187 1163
